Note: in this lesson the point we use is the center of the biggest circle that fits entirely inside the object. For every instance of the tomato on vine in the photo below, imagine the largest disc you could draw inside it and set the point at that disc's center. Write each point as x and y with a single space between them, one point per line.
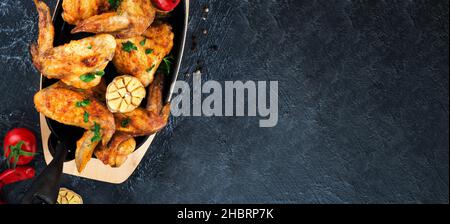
19 146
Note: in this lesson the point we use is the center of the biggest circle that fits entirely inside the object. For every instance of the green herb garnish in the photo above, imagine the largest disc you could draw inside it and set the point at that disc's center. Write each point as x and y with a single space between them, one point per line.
91 76
87 77
166 65
83 103
89 47
114 3
125 122
151 68
142 43
100 73
97 136
129 46
148 51
86 117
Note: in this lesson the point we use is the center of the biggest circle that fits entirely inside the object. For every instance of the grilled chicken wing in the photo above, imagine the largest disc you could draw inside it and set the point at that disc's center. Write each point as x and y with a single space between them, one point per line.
85 148
98 92
131 18
75 11
141 122
70 61
59 102
115 154
151 48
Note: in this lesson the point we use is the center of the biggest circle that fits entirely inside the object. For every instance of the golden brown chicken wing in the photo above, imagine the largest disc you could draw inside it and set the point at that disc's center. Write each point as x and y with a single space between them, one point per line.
142 122
115 154
131 18
73 107
141 56
46 29
75 11
85 148
98 92
77 63
139 122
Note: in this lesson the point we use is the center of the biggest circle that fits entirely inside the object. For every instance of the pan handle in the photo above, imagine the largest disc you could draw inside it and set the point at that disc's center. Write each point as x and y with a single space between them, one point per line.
45 188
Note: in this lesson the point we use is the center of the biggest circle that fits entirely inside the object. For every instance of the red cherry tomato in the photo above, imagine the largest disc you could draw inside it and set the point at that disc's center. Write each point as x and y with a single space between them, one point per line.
19 146
165 5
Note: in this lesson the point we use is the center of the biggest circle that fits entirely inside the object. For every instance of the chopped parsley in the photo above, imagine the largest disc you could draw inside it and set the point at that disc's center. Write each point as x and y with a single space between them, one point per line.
166 65
86 117
100 73
89 47
97 136
125 122
129 46
83 103
91 76
151 68
142 43
114 3
87 77
148 51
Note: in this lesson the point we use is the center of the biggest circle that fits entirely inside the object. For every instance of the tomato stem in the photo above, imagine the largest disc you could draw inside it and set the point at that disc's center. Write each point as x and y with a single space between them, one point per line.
15 151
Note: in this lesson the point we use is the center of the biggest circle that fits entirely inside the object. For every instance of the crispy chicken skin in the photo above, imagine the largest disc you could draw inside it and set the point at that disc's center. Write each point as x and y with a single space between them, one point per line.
142 122
131 18
116 152
68 62
85 149
98 92
139 122
46 29
58 102
75 11
157 41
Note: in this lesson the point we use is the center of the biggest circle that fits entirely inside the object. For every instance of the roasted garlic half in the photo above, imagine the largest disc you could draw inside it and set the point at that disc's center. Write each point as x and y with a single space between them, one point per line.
124 94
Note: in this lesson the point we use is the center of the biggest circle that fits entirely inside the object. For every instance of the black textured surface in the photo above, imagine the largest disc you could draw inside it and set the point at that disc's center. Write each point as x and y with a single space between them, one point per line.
363 105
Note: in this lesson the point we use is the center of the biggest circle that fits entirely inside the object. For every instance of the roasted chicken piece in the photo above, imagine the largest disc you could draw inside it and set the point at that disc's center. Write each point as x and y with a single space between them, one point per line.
85 148
75 11
142 122
77 63
117 151
131 18
98 92
141 56
71 106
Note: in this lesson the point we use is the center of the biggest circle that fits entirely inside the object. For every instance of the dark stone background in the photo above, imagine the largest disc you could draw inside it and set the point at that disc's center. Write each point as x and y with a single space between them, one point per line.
363 105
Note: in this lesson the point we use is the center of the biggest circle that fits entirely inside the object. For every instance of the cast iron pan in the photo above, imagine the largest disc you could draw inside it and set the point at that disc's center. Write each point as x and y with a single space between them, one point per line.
62 141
